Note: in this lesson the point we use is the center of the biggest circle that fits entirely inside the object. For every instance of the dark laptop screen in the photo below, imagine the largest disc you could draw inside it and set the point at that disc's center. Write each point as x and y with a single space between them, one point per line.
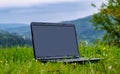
54 41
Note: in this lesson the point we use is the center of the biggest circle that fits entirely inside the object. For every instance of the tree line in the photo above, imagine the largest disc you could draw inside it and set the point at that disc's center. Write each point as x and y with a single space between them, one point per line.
13 39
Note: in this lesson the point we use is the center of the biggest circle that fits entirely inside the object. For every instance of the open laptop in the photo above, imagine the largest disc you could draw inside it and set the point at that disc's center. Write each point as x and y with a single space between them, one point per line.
56 42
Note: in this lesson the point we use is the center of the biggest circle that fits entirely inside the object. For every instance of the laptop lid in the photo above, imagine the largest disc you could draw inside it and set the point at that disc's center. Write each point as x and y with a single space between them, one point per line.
54 40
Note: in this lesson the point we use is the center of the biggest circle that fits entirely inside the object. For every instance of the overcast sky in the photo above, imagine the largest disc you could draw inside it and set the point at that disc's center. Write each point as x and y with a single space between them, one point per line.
12 3
27 3
25 11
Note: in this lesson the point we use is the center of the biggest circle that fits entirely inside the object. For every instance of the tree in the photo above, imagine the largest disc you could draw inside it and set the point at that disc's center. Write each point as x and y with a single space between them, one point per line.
108 19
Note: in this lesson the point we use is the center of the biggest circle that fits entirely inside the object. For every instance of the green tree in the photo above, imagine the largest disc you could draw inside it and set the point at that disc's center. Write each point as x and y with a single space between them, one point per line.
108 19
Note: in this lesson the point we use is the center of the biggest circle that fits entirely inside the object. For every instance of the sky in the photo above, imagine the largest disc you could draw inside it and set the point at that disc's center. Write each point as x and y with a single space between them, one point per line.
26 11
12 3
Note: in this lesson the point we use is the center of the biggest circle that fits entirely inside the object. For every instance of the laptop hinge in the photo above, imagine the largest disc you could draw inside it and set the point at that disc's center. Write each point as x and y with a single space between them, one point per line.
54 58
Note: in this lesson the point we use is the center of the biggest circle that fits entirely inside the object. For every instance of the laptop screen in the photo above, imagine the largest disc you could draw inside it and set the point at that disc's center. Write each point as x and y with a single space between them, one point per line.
52 40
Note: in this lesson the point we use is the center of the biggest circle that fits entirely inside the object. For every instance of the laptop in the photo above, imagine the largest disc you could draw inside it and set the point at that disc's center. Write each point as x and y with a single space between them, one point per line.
56 42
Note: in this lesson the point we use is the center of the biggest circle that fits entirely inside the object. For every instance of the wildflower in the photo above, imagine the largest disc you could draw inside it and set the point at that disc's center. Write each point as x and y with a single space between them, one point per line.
43 64
109 67
86 42
24 37
1 61
103 48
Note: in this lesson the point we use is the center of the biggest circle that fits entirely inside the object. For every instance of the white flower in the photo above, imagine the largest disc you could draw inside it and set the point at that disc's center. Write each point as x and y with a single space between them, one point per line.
109 67
86 42
24 37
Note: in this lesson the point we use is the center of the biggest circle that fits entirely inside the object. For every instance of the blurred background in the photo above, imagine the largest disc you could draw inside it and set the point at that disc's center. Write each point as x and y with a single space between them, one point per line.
16 16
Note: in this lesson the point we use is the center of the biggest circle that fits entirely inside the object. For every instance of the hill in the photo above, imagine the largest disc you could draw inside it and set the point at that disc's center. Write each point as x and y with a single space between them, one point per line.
19 28
85 30
22 30
12 39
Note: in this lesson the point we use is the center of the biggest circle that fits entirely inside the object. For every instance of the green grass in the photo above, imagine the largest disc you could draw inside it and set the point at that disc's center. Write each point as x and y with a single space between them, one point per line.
21 61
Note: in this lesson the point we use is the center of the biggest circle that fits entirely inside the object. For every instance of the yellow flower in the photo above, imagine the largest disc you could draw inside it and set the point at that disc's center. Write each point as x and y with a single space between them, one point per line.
1 61
103 48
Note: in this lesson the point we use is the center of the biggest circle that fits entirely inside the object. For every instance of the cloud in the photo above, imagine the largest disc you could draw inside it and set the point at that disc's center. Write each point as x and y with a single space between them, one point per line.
19 3
27 3
24 11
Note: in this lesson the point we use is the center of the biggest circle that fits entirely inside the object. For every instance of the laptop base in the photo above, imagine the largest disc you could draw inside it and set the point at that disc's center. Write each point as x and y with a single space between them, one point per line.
74 60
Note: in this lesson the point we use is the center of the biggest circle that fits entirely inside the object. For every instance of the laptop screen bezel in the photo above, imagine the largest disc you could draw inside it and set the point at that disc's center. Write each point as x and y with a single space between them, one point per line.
53 24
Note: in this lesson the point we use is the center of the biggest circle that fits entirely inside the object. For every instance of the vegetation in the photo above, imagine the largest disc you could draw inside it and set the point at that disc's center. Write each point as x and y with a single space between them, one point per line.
12 39
20 60
108 19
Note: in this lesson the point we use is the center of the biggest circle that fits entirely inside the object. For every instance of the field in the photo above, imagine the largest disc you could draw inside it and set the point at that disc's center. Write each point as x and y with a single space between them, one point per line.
20 60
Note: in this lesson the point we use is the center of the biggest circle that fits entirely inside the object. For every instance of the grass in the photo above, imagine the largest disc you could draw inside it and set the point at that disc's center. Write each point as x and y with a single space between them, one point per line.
20 60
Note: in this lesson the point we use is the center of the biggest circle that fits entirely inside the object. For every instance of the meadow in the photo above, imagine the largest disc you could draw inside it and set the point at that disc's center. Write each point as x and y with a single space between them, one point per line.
20 60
